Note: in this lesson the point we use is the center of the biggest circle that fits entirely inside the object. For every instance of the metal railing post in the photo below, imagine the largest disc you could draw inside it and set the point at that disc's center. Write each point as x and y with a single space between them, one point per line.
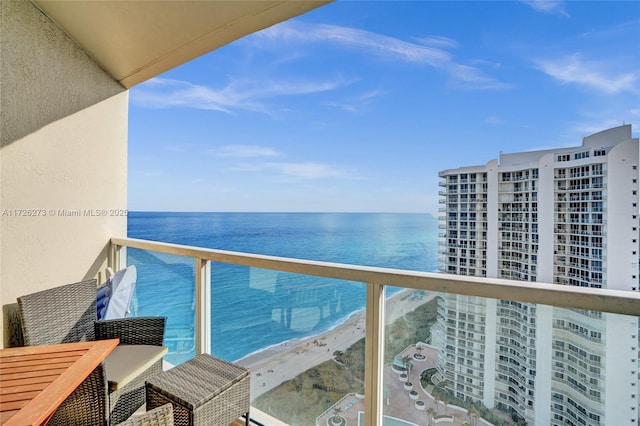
117 257
203 306
374 355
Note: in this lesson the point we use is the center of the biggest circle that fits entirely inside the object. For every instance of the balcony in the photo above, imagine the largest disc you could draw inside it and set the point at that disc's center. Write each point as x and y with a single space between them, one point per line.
194 281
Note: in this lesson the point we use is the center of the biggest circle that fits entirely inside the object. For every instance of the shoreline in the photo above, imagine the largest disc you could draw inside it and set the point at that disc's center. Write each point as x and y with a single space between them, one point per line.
274 365
280 347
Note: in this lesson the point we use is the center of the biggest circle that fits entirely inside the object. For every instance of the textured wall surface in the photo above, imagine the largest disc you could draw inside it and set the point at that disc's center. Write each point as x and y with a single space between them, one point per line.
63 164
45 75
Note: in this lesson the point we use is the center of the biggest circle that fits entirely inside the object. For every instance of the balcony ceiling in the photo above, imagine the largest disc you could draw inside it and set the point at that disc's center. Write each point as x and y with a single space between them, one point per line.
137 40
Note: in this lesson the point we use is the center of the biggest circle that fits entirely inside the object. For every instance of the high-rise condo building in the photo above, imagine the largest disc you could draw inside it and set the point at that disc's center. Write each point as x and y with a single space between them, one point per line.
566 216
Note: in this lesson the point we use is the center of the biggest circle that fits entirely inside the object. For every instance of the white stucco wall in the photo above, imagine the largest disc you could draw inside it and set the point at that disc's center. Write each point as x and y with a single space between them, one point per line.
64 148
46 76
622 221
492 219
621 392
546 221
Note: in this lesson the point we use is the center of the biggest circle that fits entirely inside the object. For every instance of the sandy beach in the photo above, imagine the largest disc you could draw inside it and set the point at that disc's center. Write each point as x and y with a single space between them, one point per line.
275 365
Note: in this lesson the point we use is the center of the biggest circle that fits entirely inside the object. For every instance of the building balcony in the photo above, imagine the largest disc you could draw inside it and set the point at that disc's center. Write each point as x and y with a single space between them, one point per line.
285 299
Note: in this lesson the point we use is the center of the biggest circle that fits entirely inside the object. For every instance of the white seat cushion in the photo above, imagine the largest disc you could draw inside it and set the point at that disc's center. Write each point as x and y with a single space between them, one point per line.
126 362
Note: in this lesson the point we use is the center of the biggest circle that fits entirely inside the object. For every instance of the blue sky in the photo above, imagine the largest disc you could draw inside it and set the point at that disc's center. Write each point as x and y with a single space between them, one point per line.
356 106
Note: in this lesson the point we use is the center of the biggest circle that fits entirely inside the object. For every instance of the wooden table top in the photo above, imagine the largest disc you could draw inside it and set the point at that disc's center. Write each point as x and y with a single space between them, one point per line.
35 380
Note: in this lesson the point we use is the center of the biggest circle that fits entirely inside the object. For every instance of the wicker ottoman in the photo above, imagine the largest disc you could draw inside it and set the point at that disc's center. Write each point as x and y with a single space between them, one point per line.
203 391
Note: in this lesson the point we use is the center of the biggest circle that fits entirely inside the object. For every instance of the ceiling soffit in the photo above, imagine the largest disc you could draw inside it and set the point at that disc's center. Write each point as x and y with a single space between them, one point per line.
138 40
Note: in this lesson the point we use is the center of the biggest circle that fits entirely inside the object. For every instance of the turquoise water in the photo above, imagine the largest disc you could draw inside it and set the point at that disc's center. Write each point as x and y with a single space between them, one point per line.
253 309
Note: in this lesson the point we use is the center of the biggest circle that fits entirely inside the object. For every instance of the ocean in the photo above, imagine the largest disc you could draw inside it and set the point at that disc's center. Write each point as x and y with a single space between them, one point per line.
253 309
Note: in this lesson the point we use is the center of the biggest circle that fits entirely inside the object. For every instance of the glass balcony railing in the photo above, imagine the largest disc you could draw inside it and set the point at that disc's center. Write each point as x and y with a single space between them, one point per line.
165 287
333 344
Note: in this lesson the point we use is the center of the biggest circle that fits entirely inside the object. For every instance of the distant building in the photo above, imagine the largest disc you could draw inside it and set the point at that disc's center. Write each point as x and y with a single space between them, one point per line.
566 216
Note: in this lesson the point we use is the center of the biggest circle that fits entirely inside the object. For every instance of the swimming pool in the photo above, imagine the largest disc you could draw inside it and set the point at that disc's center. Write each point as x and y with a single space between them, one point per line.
387 421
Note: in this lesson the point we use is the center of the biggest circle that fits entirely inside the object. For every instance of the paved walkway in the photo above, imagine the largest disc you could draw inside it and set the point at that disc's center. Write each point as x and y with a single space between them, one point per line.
399 404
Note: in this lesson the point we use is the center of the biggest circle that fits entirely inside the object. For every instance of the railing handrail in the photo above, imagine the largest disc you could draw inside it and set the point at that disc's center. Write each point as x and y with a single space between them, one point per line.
604 300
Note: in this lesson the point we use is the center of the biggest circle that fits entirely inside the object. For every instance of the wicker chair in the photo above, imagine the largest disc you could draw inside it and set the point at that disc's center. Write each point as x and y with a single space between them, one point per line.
161 416
68 314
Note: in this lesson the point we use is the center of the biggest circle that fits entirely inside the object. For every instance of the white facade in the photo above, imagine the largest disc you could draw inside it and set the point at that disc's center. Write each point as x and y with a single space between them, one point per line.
566 216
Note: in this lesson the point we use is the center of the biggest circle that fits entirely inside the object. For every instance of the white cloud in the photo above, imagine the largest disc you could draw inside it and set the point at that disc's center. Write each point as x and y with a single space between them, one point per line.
605 117
438 41
345 106
547 6
613 32
254 94
378 44
308 170
297 170
430 52
592 74
166 93
236 95
473 78
244 151
355 104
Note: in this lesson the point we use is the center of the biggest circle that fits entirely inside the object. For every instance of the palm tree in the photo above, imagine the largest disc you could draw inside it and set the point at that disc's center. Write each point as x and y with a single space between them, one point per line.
446 405
336 414
419 349
437 399
406 363
473 416
430 412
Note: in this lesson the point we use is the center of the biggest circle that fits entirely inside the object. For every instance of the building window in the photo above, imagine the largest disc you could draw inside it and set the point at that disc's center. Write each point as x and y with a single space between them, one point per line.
599 152
579 155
